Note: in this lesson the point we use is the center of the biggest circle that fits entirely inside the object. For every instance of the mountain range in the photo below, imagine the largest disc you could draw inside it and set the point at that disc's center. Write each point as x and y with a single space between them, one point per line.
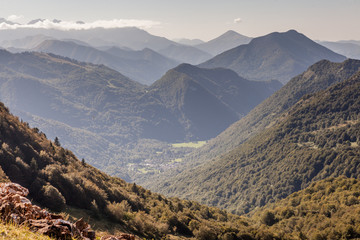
144 66
77 101
285 157
348 49
278 56
277 153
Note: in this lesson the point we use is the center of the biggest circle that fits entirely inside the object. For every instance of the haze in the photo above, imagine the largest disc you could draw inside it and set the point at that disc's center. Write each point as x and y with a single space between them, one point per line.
322 19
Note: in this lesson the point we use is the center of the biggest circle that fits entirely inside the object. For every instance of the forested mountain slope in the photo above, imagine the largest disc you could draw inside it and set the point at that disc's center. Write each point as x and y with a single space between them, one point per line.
317 77
317 138
206 101
327 209
57 180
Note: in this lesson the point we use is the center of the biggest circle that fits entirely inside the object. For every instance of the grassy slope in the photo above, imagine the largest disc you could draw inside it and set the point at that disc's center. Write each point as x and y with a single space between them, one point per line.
10 231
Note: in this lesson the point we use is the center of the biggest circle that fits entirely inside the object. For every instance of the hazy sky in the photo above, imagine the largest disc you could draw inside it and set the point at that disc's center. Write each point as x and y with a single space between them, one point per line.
204 19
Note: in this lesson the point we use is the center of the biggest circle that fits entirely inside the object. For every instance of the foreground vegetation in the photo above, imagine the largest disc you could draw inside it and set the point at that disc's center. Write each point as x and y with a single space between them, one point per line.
57 179
328 209
12 231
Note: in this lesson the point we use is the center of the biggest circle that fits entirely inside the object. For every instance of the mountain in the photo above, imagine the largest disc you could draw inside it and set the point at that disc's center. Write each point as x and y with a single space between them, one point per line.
190 42
116 123
56 179
226 41
185 54
3 20
278 56
145 66
130 37
25 43
207 100
350 41
315 139
317 77
350 50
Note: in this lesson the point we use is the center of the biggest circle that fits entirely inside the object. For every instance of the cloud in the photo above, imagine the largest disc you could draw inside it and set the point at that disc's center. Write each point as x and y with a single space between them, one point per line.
237 20
70 25
14 17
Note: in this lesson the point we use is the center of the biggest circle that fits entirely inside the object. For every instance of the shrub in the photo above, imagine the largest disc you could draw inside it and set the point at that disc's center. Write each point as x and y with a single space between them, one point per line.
268 218
52 198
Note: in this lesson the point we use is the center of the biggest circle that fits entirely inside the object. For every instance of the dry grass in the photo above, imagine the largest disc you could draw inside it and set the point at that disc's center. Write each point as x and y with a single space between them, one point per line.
15 232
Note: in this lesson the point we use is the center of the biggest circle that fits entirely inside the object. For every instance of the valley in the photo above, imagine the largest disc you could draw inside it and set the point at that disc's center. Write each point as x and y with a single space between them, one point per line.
147 137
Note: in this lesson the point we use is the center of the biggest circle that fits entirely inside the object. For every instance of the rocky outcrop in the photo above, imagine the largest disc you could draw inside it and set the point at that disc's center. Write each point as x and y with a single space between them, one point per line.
16 208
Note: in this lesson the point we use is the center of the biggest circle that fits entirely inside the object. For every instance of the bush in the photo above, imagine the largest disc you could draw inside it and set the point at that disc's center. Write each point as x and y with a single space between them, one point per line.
268 218
52 198
205 233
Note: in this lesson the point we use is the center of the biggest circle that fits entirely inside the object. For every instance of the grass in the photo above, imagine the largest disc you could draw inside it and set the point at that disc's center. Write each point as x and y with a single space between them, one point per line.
197 144
12 231
101 224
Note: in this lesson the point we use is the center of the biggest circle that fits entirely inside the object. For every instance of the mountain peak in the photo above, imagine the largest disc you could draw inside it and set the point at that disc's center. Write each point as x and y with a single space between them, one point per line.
226 41
278 55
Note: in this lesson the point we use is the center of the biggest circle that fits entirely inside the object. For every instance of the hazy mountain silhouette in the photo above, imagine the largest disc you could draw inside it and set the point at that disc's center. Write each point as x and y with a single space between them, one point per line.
190 42
278 56
145 66
131 37
226 41
185 54
350 50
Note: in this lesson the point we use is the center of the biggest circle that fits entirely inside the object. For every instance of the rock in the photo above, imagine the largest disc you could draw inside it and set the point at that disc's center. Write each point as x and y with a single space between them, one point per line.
16 208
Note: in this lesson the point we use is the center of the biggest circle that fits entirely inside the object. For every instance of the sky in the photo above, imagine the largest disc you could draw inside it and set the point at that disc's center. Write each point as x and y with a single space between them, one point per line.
330 20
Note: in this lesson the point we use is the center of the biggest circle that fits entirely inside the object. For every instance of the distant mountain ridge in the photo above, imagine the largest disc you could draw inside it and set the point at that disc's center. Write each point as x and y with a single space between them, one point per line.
131 37
185 54
350 50
278 56
226 41
145 66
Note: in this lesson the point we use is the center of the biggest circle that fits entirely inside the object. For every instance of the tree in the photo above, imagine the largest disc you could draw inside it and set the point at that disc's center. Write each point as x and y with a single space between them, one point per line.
57 142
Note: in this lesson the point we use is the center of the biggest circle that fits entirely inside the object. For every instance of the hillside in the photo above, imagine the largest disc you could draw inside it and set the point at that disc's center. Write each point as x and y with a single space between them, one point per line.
315 139
226 41
145 66
317 77
278 56
59 181
327 209
208 100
